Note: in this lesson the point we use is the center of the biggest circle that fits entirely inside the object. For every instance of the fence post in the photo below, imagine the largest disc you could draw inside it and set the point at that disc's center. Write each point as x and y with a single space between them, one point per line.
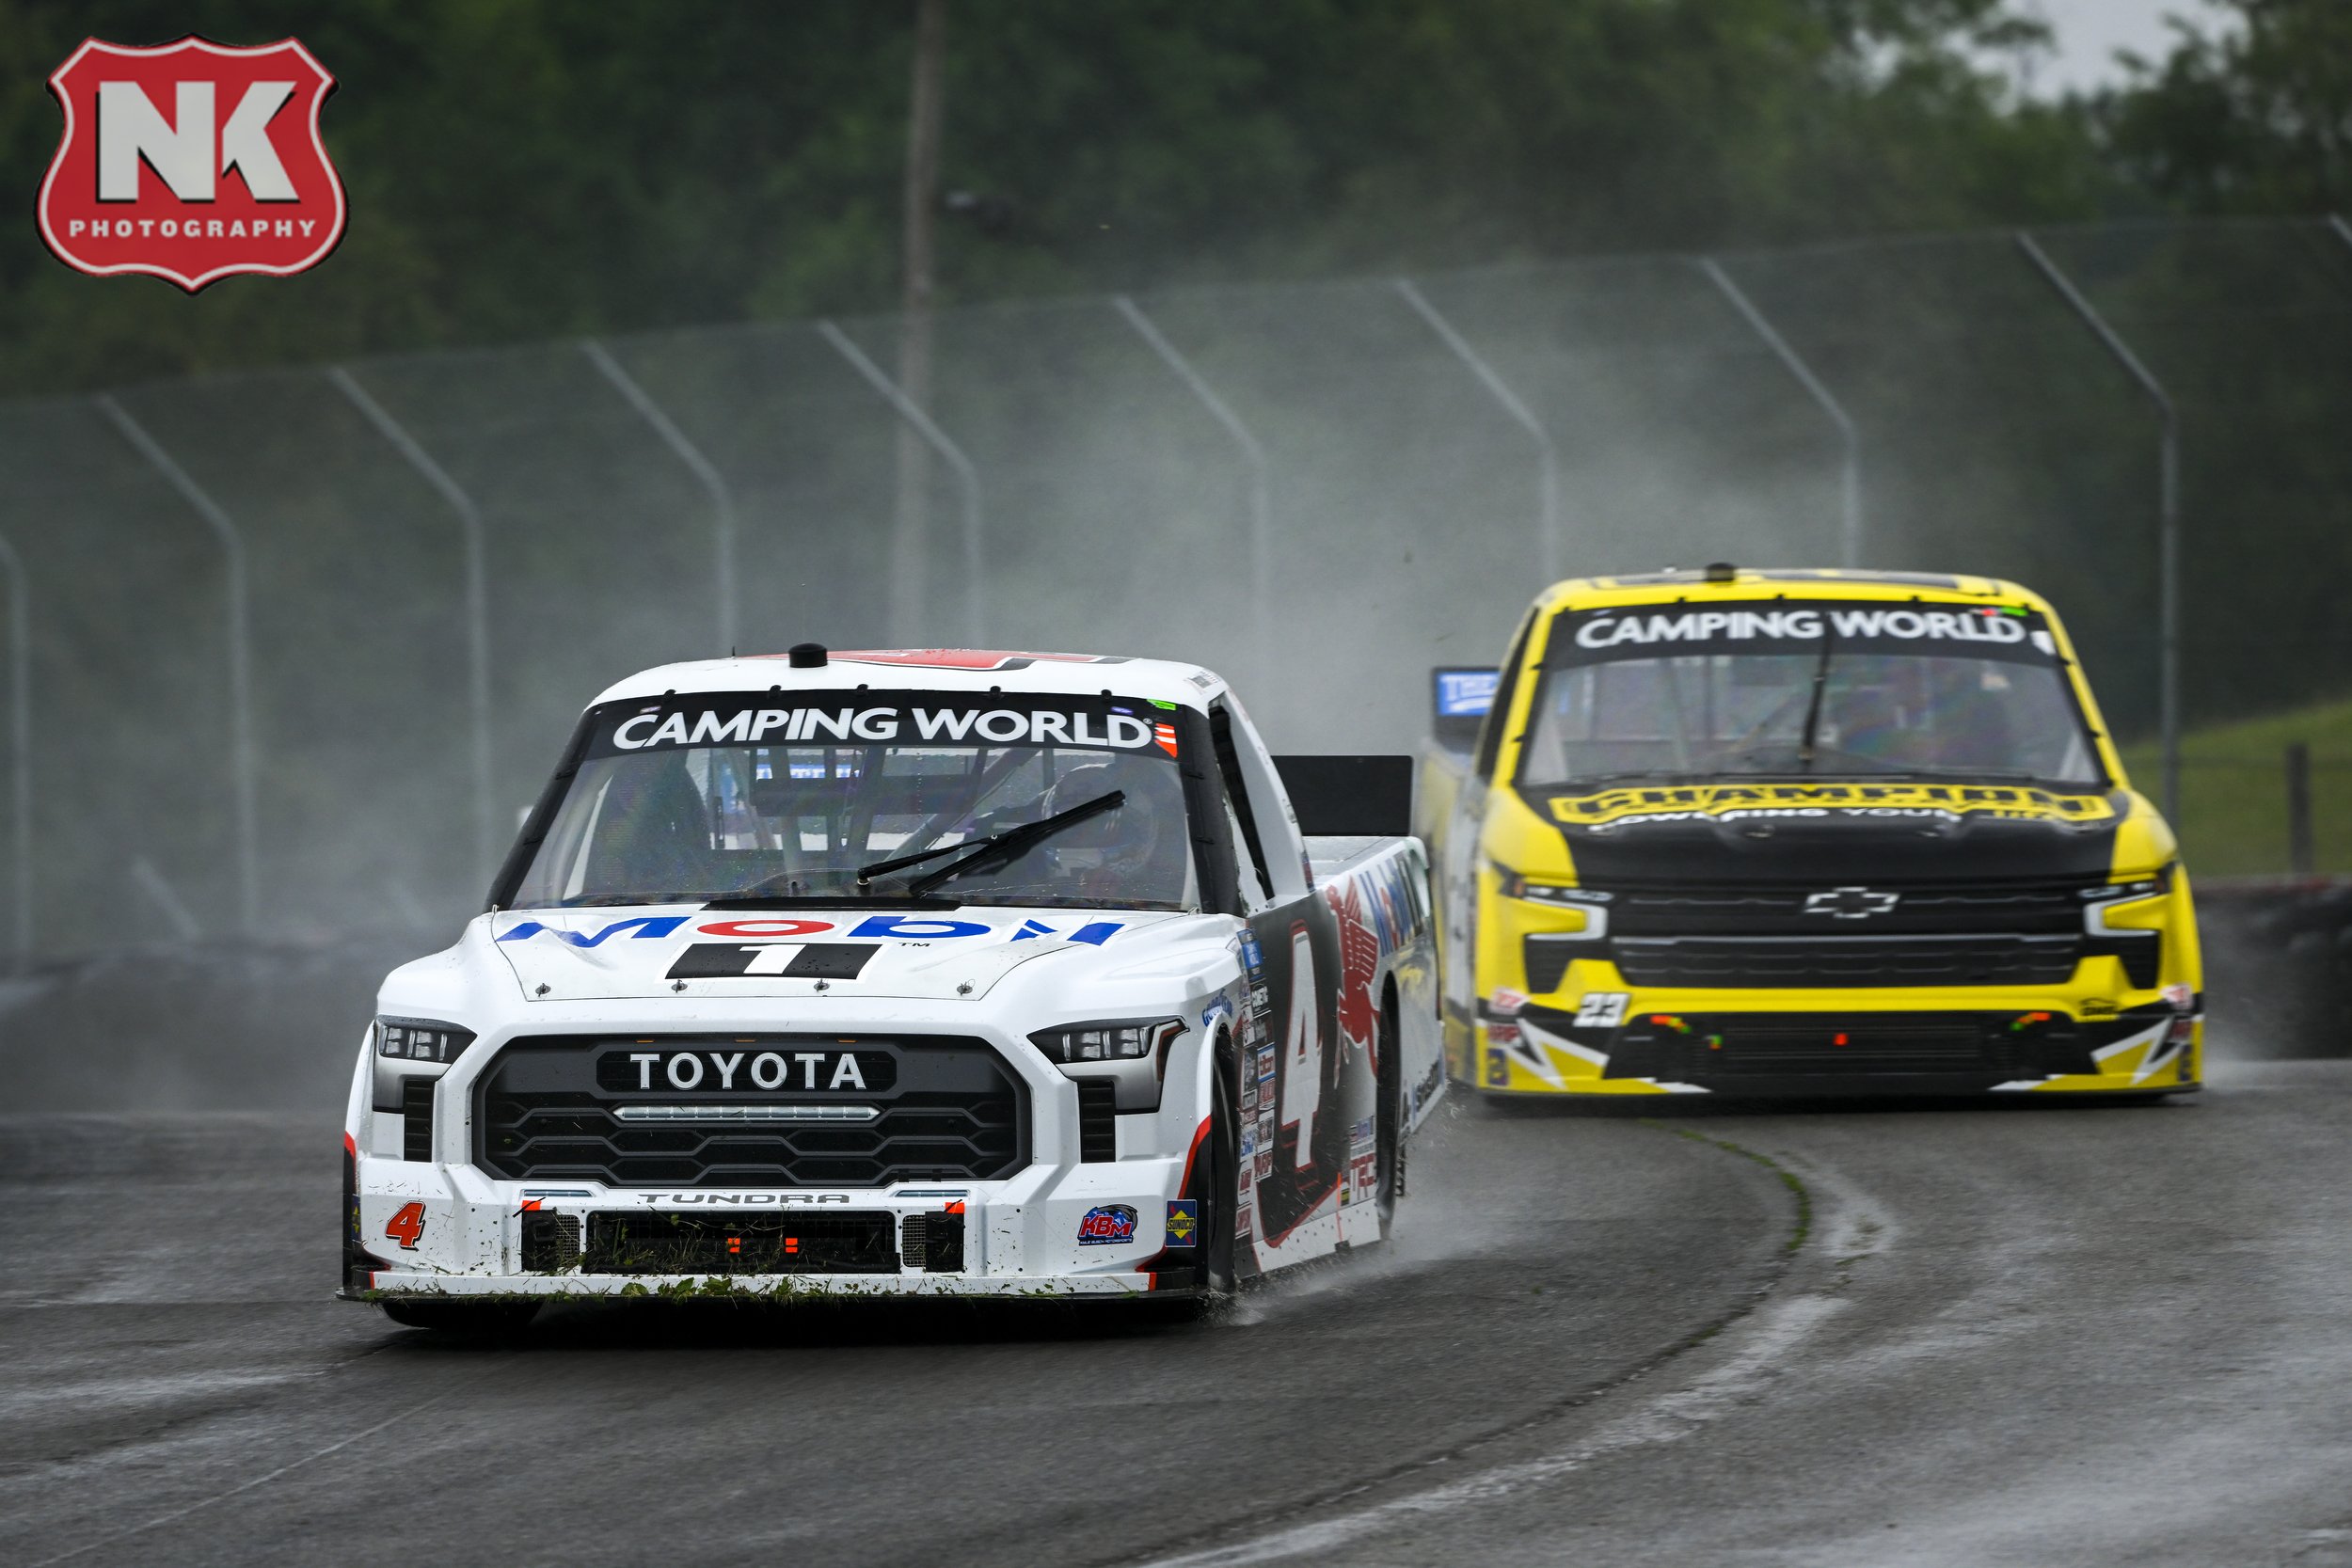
975 521
1851 477
1548 473
2168 516
1261 472
477 603
241 760
19 745
721 499
2302 858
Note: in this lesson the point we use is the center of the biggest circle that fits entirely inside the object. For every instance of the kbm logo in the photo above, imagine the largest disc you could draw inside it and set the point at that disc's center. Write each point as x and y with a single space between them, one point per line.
191 161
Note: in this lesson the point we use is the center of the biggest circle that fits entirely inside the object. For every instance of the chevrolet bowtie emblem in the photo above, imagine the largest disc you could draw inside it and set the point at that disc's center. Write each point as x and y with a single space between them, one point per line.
1851 903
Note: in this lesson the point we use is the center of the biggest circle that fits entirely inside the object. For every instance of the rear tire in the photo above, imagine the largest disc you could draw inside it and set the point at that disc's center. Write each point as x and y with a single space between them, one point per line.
479 1320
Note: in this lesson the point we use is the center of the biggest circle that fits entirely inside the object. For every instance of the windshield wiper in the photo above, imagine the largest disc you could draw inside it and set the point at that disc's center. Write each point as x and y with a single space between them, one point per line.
1813 709
1002 847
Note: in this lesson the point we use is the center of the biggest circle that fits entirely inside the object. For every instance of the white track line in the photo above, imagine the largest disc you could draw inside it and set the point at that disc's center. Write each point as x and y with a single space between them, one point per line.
1668 1419
241 1487
1848 1226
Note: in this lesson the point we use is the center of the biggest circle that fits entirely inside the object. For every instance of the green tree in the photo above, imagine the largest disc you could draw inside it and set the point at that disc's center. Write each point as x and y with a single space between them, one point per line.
2250 115
523 168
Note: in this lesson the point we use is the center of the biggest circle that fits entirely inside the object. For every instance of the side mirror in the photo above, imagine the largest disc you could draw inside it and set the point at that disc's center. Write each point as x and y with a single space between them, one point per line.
1460 696
1349 796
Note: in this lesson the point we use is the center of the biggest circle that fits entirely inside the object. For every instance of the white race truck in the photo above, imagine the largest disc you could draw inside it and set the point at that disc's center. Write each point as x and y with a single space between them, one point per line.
904 972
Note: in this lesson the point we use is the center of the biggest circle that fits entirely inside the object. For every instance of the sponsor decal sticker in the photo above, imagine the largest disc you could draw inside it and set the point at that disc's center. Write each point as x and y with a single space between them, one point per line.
772 719
1466 693
406 1227
1184 1221
1108 1225
192 161
1981 627
1601 1009
1824 802
1363 1178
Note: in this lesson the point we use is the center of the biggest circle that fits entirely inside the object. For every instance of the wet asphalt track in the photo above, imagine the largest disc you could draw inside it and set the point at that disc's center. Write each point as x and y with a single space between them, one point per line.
2049 1335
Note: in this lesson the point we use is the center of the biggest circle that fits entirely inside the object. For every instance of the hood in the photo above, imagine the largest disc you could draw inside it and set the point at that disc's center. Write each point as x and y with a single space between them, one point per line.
1834 830
688 951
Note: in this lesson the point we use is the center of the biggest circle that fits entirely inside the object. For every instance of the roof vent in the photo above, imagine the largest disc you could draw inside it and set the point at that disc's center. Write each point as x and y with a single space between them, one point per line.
1722 571
807 655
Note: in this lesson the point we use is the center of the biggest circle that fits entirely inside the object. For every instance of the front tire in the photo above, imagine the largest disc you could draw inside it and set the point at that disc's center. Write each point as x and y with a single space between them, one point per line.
1388 1118
1221 1190
476 1320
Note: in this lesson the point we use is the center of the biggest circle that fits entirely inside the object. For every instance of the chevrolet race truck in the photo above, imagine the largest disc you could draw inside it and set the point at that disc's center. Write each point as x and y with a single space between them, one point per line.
1802 833
911 972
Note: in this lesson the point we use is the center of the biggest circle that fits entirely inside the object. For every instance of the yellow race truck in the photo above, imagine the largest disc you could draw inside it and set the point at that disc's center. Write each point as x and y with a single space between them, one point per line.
1801 831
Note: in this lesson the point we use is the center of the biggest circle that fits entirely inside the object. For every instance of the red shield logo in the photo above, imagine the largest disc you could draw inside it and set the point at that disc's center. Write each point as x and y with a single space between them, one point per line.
192 161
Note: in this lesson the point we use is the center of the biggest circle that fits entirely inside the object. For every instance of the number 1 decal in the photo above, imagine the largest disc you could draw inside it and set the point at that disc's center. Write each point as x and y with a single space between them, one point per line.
1302 1050
408 1226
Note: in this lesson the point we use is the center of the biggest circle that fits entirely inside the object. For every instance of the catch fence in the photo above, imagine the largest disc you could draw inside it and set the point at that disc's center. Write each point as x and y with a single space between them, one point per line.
292 648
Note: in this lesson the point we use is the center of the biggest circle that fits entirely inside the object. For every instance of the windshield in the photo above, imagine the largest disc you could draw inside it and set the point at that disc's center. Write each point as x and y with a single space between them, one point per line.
722 794
1783 690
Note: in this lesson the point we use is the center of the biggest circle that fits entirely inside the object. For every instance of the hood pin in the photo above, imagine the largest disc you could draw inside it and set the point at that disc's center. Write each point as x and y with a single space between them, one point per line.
824 985
964 990
543 988
677 985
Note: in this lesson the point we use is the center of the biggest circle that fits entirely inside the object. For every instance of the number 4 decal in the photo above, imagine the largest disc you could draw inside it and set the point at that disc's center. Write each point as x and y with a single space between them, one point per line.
1602 1009
1302 1051
408 1226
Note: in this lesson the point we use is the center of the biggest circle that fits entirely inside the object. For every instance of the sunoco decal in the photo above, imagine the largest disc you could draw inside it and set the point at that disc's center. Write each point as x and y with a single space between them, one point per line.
1889 803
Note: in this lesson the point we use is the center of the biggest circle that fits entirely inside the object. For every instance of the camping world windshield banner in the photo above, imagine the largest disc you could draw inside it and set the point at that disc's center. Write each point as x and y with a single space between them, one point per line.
1794 627
897 718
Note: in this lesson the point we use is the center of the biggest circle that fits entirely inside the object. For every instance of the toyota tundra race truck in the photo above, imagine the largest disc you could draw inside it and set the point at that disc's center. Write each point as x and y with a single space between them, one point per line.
1802 833
913 972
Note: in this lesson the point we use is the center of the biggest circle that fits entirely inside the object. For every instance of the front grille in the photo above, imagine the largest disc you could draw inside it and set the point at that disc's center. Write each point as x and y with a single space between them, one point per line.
1830 963
1745 1050
1098 1120
651 1241
2019 933
416 1117
933 1243
1883 1046
550 1242
945 1107
2035 908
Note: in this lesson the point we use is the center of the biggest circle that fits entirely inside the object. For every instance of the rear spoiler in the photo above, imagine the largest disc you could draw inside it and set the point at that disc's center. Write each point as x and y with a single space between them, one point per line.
1459 698
1349 796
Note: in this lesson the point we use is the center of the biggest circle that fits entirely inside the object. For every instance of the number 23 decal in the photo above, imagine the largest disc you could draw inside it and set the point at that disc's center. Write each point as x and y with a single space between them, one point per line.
1602 1009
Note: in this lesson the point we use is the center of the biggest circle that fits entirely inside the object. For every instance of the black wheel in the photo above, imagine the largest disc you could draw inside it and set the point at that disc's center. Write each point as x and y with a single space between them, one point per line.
1220 1191
480 1320
1388 1116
